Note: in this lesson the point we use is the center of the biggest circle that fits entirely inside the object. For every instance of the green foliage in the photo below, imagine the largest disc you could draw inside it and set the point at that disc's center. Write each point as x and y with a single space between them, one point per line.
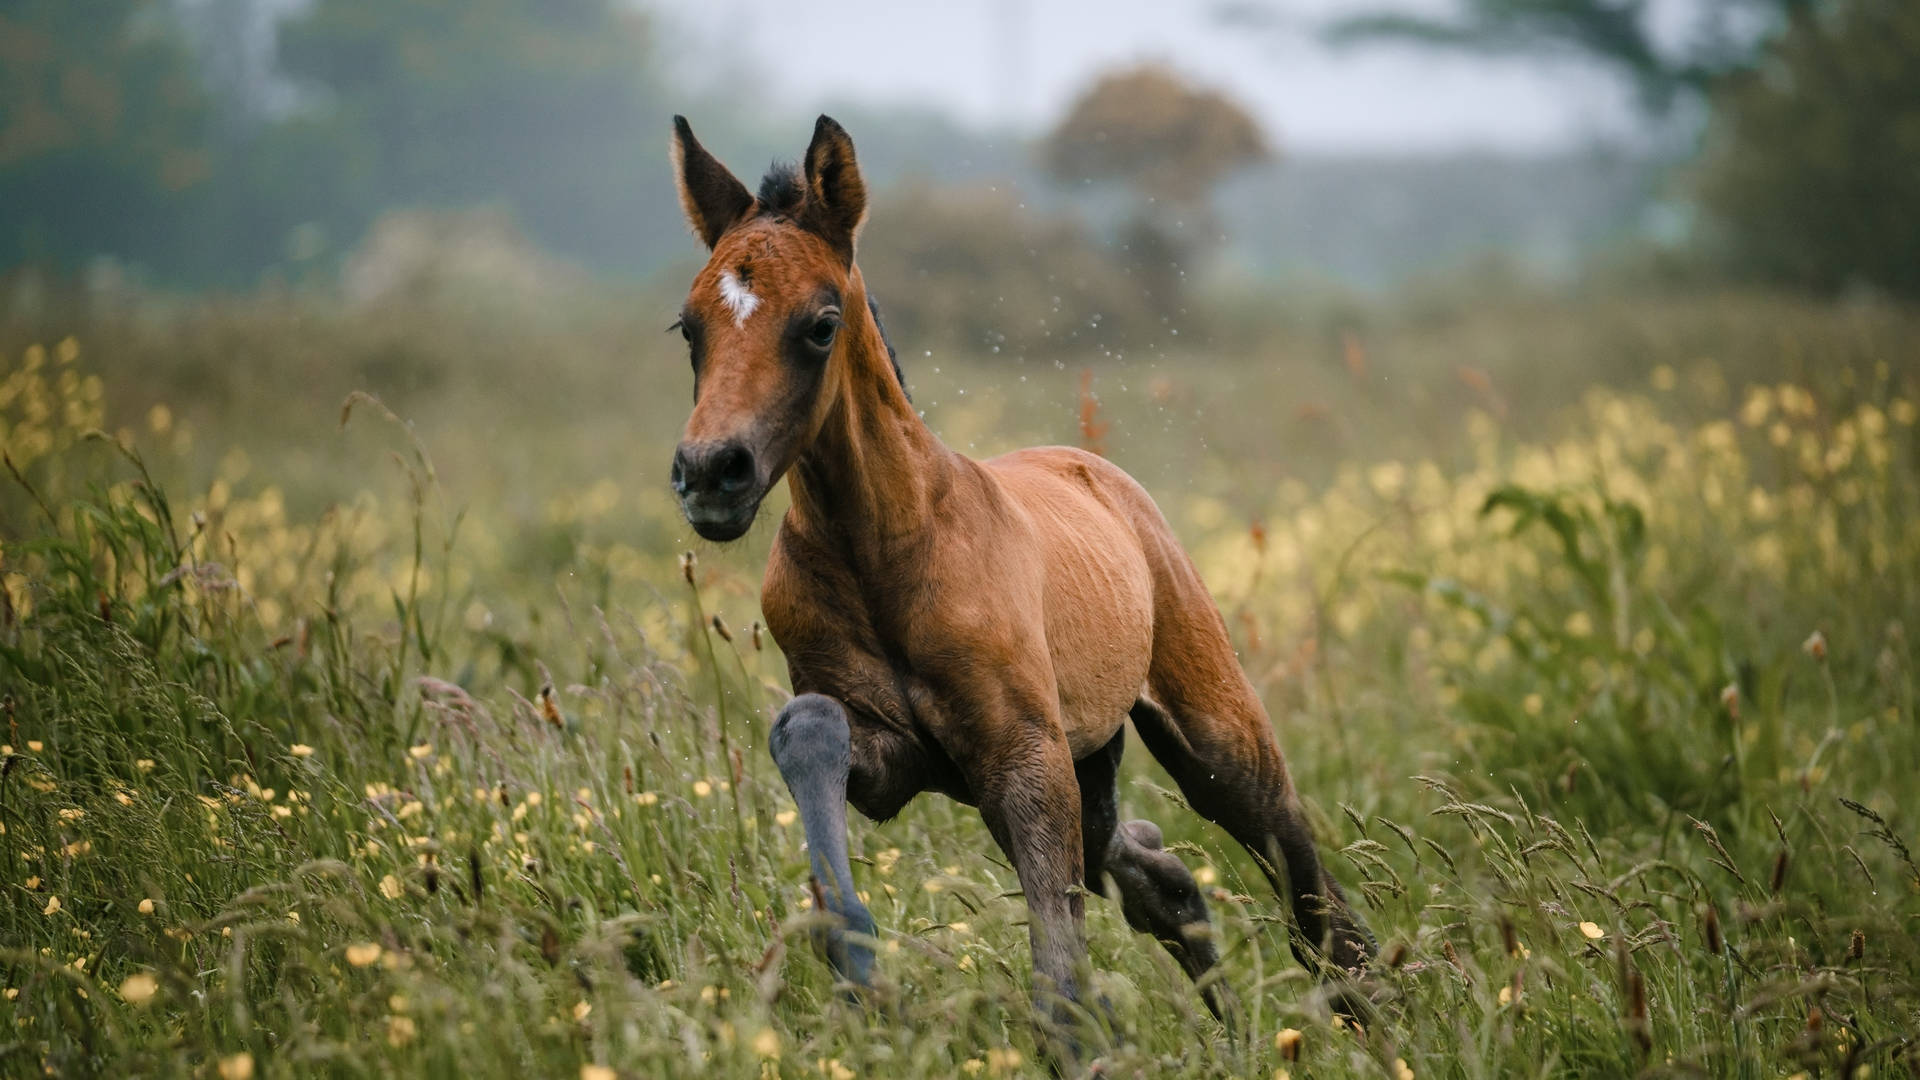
104 131
117 138
1812 175
1620 37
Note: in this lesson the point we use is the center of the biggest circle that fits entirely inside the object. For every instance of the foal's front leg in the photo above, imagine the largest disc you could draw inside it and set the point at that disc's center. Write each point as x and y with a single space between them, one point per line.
1031 803
812 743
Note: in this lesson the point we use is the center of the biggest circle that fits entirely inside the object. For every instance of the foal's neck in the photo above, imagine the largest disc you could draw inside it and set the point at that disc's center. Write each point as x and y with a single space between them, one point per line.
869 481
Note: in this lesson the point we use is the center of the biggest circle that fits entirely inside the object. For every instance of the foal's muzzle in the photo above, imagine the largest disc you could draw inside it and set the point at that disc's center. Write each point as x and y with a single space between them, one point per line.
719 488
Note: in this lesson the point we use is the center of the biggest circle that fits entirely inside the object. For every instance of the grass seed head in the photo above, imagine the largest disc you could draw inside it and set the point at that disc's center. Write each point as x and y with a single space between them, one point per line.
1815 646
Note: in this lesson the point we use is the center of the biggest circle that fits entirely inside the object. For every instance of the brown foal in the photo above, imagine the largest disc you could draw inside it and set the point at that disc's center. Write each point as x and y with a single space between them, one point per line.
977 628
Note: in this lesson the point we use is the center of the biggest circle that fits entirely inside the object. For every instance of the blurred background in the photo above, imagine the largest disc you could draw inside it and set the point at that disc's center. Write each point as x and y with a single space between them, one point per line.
1361 220
1533 382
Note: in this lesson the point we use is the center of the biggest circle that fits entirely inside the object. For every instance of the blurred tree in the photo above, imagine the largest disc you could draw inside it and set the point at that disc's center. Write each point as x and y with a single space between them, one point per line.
1169 142
544 106
1812 171
1811 176
103 129
1664 63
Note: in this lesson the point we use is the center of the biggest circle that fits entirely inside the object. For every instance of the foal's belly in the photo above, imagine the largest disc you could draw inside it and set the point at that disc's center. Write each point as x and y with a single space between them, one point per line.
1100 665
1098 595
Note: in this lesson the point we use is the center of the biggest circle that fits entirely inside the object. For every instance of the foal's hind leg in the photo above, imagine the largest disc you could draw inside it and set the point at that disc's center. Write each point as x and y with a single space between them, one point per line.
819 750
1219 749
1157 894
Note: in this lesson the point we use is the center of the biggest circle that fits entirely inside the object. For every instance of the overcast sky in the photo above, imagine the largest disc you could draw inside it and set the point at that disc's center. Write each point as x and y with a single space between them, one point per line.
1004 61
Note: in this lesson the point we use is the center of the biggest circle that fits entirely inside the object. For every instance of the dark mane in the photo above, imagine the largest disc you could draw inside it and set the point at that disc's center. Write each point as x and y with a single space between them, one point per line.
873 307
782 192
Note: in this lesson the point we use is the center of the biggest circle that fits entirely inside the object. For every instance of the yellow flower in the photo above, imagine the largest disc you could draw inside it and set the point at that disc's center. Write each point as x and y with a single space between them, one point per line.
35 745
391 888
400 1030
237 1067
146 765
784 818
646 798
72 814
1506 995
581 1009
1287 1041
139 989
146 906
293 917
597 1072
423 750
702 788
767 1043
300 750
1592 930
53 905
1206 875
363 954
833 1070
1400 1069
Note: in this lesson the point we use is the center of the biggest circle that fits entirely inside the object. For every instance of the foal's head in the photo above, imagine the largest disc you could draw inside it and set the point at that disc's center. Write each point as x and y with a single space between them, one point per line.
765 320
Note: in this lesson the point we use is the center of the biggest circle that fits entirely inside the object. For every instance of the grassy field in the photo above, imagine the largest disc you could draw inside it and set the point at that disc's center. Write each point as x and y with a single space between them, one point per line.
341 745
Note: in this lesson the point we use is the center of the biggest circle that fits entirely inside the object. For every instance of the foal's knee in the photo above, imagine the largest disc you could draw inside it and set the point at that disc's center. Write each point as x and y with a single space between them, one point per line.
811 738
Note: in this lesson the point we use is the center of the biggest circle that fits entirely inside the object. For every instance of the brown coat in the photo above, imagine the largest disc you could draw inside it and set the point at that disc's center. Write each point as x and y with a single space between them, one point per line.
986 627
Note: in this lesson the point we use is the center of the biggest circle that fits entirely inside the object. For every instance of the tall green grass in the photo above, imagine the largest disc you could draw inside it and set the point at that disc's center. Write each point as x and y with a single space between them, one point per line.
1610 729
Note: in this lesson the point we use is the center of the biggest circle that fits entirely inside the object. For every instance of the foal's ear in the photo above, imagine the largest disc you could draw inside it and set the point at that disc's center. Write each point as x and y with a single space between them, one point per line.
712 197
836 195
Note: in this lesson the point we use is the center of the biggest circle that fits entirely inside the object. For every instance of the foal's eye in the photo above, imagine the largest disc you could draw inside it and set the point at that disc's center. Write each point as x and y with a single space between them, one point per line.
820 334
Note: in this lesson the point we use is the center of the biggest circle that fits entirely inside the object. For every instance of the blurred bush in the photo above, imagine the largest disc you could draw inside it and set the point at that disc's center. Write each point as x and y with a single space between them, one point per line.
977 267
1812 177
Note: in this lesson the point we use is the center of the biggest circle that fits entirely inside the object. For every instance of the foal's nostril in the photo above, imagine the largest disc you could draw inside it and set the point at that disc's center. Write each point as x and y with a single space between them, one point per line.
678 478
733 468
